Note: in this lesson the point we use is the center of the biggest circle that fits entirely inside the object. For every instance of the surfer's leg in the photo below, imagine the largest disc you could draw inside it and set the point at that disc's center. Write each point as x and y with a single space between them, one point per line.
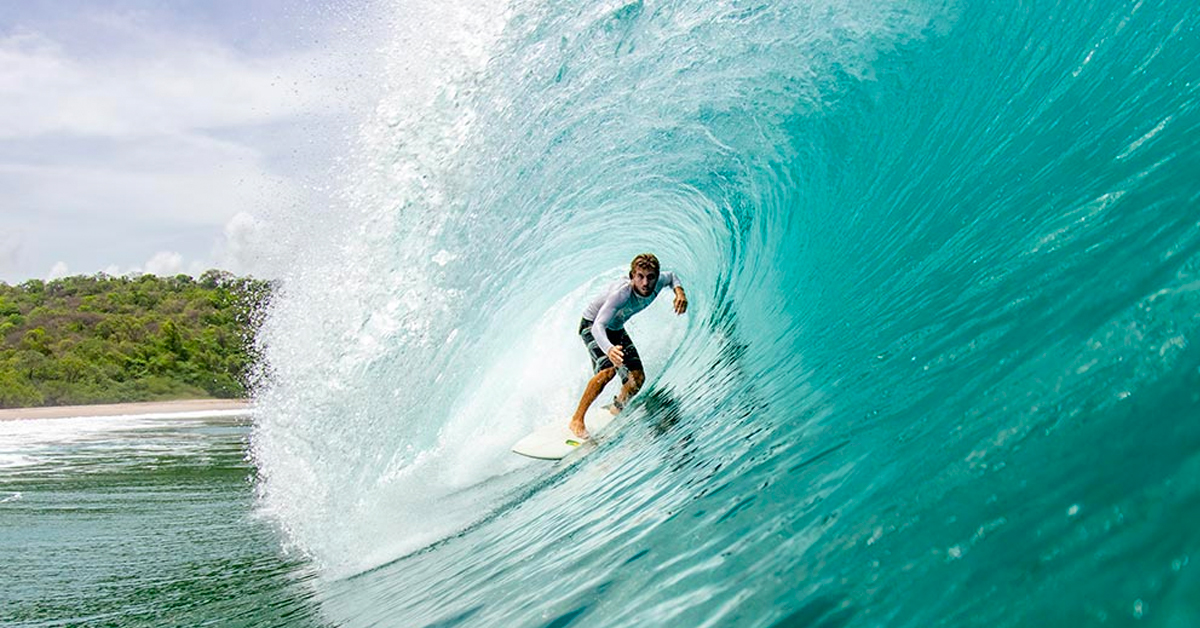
633 374
594 386
604 371
632 385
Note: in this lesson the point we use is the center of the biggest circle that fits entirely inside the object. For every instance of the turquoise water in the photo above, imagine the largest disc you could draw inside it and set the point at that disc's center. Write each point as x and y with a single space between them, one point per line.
940 366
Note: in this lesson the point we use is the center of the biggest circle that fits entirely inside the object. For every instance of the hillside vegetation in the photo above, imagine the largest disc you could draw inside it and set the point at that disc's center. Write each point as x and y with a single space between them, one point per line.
104 339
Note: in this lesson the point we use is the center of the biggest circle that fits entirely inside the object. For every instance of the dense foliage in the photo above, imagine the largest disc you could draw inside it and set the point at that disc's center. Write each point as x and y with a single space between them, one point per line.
103 339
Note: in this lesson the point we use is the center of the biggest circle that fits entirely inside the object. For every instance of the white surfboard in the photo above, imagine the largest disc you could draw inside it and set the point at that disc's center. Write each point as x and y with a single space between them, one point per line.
553 442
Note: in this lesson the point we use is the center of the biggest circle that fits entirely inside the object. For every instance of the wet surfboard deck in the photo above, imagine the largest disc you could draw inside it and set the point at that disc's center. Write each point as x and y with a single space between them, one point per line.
554 442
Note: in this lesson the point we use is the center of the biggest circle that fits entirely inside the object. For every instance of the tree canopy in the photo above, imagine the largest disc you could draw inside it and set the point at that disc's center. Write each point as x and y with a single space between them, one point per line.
105 339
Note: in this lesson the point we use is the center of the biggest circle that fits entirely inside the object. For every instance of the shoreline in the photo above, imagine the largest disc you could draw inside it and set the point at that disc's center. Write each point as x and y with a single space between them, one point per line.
120 409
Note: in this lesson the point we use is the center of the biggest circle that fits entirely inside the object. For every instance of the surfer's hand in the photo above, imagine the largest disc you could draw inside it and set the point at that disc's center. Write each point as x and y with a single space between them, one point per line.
617 355
680 301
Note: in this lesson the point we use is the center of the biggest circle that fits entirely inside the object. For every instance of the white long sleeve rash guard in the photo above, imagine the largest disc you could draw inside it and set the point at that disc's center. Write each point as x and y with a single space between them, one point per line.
613 308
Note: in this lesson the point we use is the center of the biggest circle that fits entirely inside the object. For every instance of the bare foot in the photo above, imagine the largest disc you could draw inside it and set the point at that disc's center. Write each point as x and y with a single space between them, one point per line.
578 429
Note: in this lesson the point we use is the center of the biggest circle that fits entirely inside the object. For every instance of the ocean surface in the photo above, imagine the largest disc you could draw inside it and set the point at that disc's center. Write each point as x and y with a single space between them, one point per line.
941 365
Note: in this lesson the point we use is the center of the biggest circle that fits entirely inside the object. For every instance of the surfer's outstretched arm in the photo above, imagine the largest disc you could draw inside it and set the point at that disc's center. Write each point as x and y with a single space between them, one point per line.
680 303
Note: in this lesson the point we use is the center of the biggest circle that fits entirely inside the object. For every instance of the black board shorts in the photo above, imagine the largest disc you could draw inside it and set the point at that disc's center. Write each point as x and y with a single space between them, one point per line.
600 361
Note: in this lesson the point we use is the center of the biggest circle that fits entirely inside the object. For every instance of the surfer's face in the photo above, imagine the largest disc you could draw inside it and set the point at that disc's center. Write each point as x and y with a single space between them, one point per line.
643 281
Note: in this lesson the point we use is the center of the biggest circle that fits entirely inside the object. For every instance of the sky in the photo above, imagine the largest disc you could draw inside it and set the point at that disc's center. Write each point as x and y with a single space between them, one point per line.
156 136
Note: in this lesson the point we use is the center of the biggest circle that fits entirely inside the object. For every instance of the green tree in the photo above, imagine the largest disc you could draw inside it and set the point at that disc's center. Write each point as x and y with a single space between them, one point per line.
99 338
18 392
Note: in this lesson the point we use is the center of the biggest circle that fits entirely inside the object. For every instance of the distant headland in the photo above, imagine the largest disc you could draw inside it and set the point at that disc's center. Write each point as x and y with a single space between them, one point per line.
101 339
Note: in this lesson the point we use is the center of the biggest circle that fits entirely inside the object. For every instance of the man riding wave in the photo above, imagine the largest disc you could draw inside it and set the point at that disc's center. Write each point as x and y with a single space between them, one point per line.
609 346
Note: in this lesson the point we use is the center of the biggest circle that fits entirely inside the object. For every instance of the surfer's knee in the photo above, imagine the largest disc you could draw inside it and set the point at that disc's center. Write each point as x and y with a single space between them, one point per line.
606 375
636 379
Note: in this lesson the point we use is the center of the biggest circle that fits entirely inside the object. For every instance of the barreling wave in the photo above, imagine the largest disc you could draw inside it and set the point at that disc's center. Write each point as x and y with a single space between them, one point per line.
936 254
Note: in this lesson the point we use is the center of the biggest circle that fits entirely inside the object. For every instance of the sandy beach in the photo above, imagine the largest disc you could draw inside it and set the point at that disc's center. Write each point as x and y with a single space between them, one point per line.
114 409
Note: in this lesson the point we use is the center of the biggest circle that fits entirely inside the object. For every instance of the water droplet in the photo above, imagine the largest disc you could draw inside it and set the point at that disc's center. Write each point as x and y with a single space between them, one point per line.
1139 609
1073 510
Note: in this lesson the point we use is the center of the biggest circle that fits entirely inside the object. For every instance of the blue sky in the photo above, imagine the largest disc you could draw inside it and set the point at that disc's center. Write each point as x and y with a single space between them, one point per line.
159 136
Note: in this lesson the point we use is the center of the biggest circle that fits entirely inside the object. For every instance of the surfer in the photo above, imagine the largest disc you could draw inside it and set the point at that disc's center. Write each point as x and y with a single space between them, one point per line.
603 332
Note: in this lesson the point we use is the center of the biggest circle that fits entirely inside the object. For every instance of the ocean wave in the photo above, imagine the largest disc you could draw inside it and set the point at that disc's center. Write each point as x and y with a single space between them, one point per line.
941 259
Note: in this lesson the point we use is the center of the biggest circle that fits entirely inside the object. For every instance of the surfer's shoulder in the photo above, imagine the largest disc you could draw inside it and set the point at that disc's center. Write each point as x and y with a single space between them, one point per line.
620 291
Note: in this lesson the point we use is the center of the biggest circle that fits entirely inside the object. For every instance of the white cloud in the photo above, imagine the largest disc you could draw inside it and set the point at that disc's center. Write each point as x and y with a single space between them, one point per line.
58 271
162 137
197 268
165 264
141 135
243 243
220 179
180 86
10 251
